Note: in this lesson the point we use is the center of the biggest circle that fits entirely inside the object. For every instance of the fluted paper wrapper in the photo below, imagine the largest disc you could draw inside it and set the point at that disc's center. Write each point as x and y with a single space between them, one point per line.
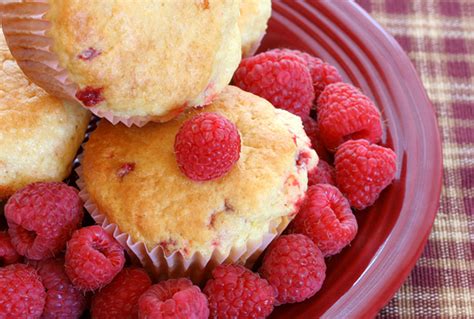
25 29
175 265
139 121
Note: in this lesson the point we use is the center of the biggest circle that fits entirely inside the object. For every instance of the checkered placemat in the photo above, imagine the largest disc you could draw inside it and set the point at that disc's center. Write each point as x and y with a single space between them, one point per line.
438 36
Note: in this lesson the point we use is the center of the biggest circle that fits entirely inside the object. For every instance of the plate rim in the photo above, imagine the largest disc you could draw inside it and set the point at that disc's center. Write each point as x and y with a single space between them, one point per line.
387 286
351 38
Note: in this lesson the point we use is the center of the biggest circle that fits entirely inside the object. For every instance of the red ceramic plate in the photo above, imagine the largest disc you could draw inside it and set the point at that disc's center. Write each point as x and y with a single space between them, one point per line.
393 232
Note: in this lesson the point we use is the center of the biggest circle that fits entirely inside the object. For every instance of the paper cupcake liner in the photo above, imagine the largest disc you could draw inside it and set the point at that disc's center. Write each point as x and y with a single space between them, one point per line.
135 120
25 28
161 266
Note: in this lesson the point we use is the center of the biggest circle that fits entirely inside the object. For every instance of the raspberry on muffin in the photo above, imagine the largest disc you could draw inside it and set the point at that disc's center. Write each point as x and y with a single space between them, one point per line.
207 146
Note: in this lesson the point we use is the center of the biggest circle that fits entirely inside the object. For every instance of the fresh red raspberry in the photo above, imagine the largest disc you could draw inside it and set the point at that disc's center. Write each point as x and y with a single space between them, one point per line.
119 299
236 292
8 254
22 294
282 79
207 146
326 217
93 258
63 300
42 217
173 299
322 174
295 267
344 113
312 130
322 73
363 170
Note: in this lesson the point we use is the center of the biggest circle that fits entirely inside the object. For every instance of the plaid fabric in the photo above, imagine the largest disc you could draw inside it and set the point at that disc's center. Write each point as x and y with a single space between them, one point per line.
438 36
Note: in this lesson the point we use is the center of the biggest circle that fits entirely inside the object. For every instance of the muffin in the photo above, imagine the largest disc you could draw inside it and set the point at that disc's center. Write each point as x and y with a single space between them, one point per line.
125 60
133 187
39 134
254 15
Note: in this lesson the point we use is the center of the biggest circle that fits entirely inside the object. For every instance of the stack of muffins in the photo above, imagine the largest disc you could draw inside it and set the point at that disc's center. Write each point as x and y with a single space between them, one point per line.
145 68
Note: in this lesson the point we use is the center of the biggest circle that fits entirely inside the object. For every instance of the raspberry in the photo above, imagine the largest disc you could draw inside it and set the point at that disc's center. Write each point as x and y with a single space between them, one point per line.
236 292
322 73
295 267
93 258
173 299
282 79
8 254
42 217
207 146
312 130
63 300
90 96
22 294
326 218
363 170
345 113
119 299
322 174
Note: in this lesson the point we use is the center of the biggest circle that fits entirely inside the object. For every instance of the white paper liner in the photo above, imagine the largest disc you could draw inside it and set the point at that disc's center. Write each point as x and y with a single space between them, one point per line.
160 266
139 121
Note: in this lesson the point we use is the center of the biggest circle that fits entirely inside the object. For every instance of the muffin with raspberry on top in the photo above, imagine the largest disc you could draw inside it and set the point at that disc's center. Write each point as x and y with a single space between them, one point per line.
214 185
